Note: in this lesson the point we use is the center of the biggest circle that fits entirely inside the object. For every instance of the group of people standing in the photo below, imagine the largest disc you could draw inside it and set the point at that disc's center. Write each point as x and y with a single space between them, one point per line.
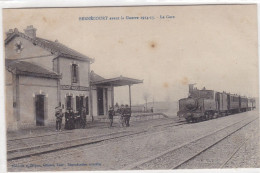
72 119
125 114
76 120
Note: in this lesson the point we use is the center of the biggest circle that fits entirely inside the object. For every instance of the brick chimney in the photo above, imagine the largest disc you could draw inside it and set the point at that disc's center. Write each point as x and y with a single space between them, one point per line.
9 32
30 31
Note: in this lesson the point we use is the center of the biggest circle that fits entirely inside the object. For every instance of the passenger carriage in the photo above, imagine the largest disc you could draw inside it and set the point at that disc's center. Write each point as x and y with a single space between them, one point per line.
243 104
222 103
233 103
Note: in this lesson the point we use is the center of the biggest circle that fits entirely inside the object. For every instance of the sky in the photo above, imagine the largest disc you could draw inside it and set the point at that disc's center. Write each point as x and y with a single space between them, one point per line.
212 45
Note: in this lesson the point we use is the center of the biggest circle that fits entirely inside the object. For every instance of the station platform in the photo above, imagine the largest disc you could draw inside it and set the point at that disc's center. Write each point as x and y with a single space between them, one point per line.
33 141
98 123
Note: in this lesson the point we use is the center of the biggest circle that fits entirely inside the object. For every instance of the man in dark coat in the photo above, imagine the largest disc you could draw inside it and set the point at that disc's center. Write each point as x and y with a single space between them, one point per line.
58 115
83 117
127 113
71 120
111 114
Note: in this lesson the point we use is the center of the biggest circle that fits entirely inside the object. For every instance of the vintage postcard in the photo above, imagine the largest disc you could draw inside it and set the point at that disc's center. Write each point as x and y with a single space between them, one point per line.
131 88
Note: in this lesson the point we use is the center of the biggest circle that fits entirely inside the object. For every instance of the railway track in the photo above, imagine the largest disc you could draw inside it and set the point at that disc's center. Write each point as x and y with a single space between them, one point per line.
24 152
178 156
226 153
31 137
231 156
76 149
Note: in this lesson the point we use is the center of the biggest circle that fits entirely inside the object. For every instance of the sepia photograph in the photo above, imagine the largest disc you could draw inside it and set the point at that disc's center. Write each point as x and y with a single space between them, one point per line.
131 87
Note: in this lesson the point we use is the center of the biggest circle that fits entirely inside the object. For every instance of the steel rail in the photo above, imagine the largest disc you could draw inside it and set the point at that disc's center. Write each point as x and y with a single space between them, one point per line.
82 138
210 146
231 156
137 164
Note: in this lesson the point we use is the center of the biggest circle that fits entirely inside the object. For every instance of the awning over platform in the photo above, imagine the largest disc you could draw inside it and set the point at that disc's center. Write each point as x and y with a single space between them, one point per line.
99 81
118 81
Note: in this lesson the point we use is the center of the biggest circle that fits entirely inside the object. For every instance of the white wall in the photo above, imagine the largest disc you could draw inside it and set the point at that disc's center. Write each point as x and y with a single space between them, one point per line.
28 88
65 69
9 115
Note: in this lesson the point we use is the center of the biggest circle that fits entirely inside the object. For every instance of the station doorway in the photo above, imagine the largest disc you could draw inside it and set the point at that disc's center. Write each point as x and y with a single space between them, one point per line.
39 107
100 101
69 102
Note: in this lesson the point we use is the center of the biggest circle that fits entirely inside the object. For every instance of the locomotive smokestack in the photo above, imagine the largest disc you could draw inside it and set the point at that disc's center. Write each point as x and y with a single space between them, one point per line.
191 88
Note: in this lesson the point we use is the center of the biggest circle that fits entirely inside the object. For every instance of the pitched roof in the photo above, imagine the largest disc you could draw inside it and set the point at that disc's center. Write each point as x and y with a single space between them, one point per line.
118 81
29 69
53 47
95 77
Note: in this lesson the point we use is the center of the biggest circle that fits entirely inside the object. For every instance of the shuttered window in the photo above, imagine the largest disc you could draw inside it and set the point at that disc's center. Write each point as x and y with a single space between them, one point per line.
75 73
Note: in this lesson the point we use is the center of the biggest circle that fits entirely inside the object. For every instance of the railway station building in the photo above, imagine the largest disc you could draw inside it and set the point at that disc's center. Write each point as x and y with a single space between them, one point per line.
41 74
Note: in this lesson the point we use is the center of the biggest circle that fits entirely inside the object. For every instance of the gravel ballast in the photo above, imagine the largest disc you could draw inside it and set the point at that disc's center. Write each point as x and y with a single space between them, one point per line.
118 154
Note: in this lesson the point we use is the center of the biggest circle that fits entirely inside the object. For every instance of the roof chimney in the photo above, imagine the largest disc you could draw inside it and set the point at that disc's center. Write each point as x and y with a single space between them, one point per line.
9 32
30 31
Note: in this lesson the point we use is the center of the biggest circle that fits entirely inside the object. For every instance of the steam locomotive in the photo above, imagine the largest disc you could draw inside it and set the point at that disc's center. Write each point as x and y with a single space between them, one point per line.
207 104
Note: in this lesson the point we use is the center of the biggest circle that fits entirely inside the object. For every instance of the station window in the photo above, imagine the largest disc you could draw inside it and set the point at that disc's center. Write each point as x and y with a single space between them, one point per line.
75 73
